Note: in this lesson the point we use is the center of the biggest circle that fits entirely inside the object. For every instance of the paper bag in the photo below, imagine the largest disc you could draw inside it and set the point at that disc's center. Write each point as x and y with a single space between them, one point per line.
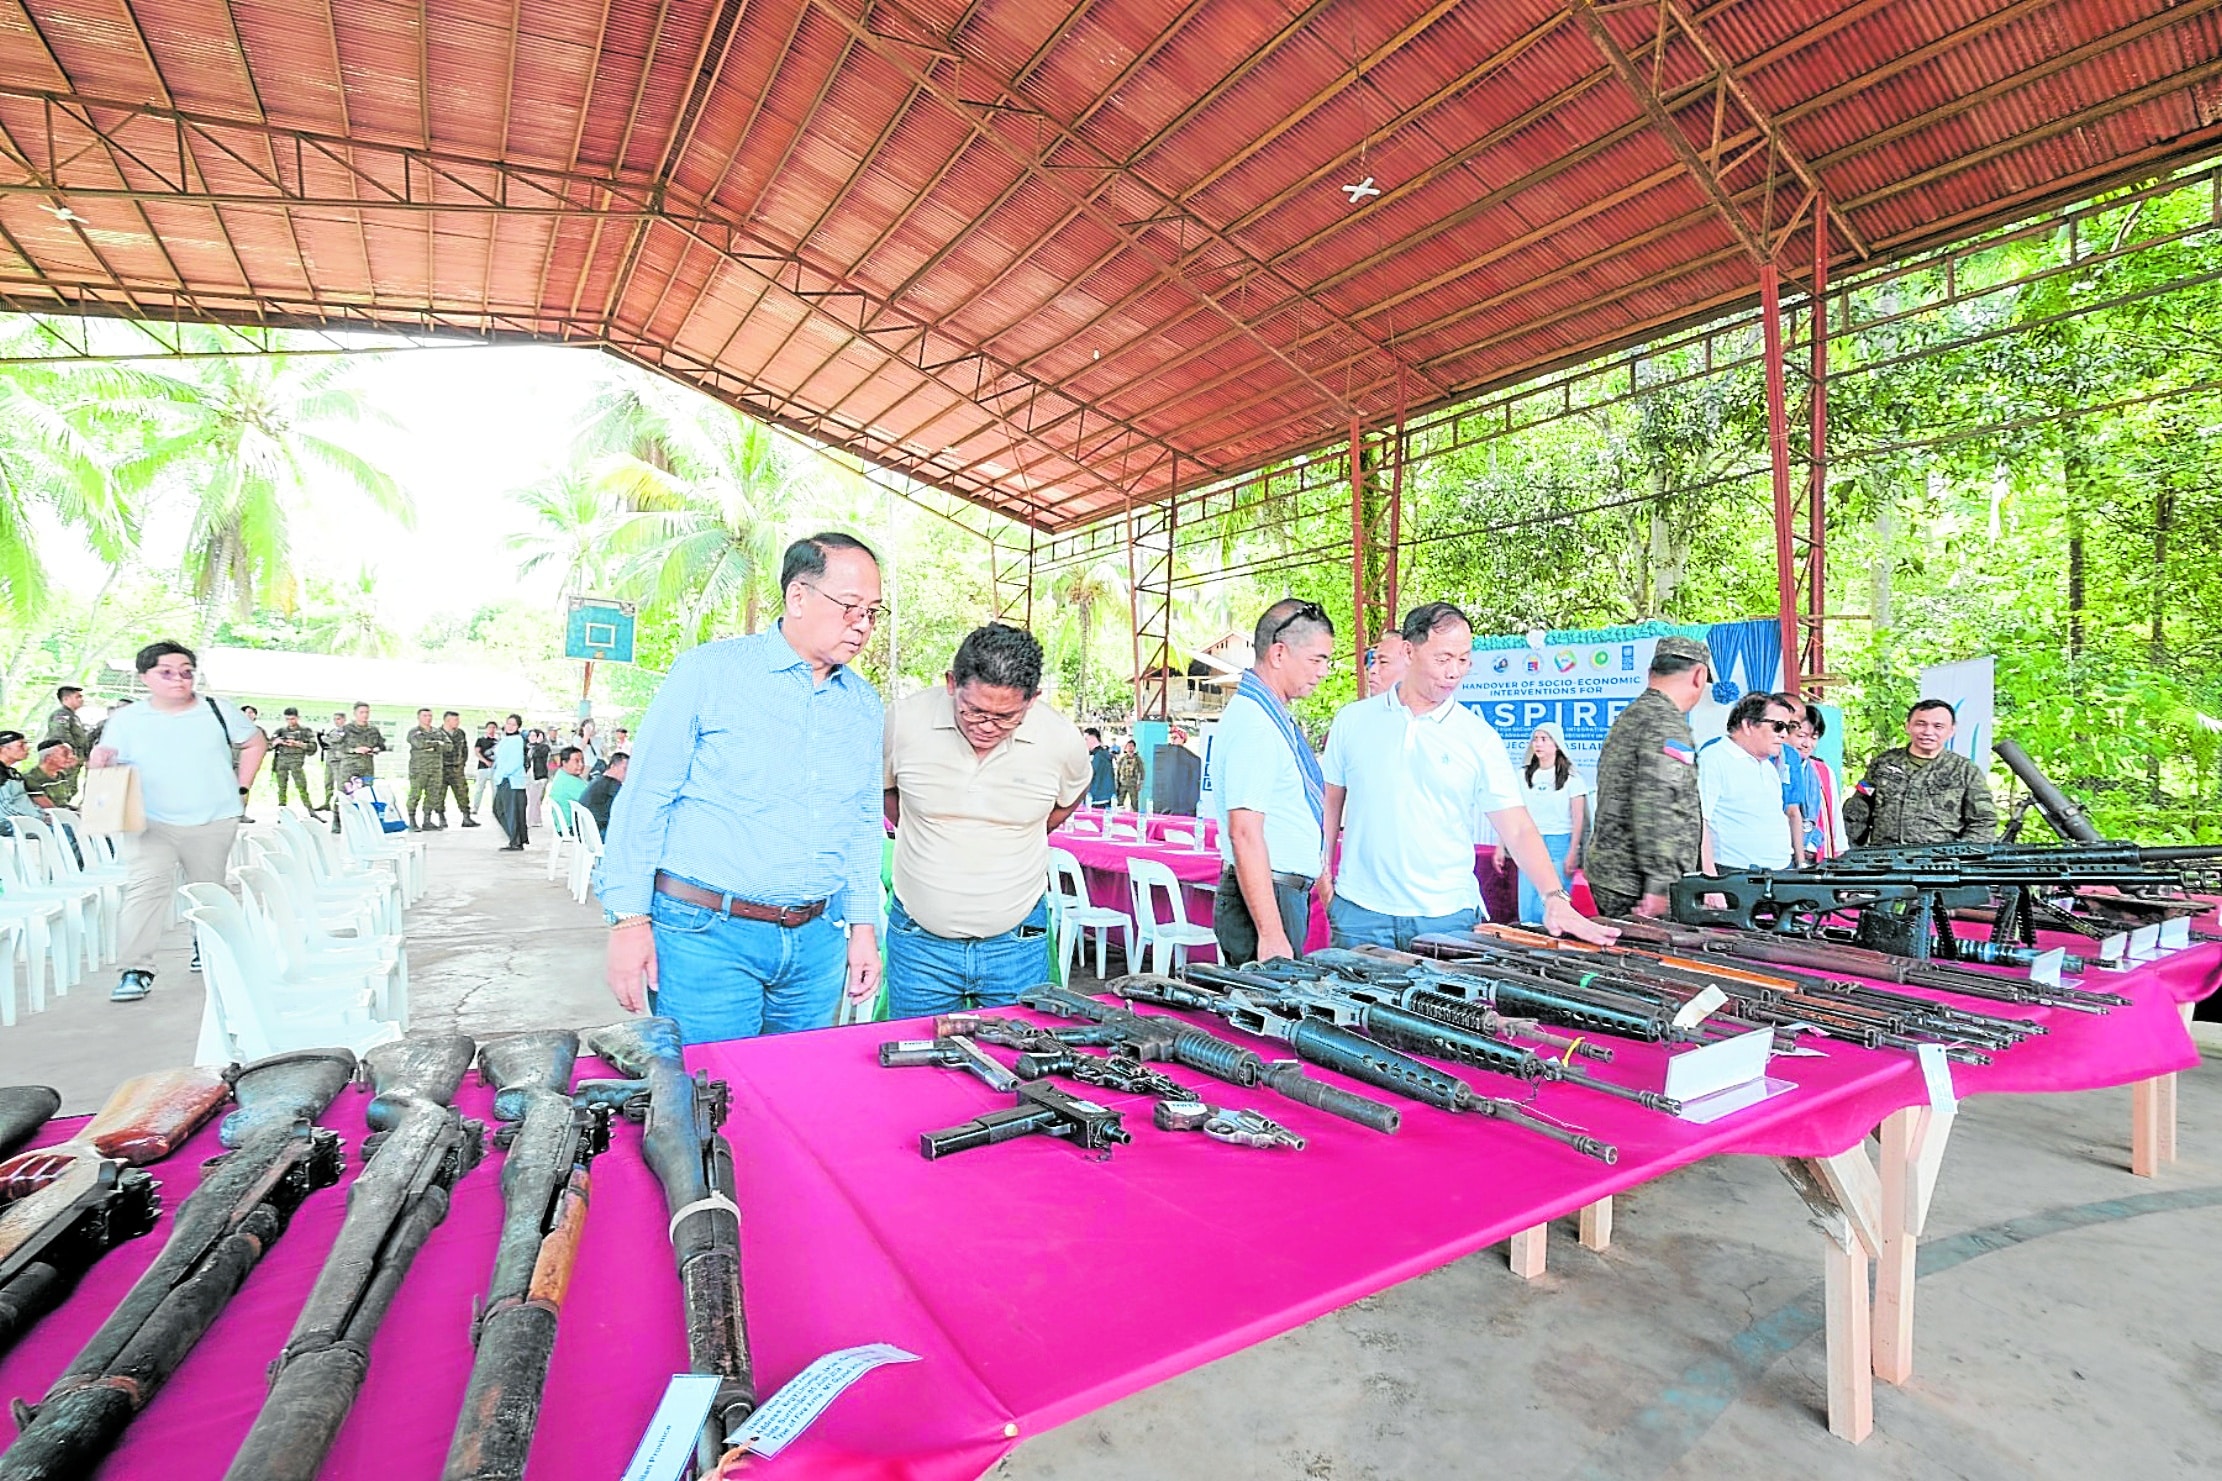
109 800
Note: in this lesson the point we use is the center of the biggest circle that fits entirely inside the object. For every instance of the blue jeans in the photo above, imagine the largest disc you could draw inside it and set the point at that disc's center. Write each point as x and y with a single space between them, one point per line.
722 977
1531 898
928 974
1354 925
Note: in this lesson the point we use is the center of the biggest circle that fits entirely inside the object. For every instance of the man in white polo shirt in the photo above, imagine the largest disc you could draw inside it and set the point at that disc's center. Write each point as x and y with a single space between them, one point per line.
1408 772
1268 791
977 775
1739 785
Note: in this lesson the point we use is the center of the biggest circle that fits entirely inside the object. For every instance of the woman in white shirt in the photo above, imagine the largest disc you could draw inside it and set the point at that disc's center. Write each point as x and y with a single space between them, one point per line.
1556 795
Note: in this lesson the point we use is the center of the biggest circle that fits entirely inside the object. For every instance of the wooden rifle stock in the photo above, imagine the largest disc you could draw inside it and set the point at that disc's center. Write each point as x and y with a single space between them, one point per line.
146 1118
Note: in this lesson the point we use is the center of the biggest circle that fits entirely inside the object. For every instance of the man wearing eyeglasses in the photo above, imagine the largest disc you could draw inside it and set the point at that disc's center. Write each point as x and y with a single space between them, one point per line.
1268 791
748 831
1739 786
977 774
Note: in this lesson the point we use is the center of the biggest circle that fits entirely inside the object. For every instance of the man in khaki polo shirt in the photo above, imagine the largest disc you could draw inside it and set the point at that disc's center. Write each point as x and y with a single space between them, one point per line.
977 775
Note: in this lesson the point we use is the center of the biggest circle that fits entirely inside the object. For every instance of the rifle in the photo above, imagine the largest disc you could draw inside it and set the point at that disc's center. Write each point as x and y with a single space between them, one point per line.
1150 1038
23 1110
549 1141
419 1147
1337 1048
1041 1108
144 1119
694 1162
242 1206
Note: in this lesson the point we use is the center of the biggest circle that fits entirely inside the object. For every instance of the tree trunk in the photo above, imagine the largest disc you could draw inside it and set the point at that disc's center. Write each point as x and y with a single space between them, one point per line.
2072 476
1080 684
2164 519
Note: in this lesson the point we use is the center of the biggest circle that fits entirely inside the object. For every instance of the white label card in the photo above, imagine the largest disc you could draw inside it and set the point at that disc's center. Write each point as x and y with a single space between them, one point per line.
774 1426
2045 970
1699 1008
2114 947
2144 942
667 1449
1936 1072
2175 932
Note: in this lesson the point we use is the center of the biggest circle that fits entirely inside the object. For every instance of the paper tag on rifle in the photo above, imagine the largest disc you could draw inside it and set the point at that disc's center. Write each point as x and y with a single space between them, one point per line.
786 1414
667 1448
1696 1010
1936 1072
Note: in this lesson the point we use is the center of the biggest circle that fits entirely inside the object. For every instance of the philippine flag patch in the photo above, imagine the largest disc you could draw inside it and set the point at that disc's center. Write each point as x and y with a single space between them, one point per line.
1676 751
1862 789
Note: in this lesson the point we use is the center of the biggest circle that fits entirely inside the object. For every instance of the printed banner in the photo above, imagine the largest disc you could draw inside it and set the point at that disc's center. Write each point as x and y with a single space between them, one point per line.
1581 681
1970 688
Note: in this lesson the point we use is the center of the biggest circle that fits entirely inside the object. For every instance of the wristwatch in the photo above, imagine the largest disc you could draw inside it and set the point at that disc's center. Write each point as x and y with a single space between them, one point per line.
615 920
1561 893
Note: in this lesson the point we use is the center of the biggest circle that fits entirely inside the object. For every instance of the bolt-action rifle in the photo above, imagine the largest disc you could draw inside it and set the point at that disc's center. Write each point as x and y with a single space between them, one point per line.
419 1146
23 1110
242 1206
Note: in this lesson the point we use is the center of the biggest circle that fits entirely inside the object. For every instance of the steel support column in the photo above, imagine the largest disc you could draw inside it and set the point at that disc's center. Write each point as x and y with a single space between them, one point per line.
1814 663
1151 531
1778 449
1011 580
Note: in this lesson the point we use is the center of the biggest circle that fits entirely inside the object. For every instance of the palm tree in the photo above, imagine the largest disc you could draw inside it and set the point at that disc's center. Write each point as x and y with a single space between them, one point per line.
246 437
349 621
574 520
1080 592
58 425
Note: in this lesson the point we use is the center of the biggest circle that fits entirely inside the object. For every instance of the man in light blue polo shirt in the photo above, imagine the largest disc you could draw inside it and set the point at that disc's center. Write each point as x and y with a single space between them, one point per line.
1409 771
1268 792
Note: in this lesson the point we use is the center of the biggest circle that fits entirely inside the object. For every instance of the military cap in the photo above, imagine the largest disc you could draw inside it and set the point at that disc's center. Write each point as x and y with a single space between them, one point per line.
289 709
10 737
1686 648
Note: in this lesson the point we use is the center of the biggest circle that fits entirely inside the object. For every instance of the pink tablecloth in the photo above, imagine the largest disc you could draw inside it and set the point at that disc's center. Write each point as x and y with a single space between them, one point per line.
1036 1282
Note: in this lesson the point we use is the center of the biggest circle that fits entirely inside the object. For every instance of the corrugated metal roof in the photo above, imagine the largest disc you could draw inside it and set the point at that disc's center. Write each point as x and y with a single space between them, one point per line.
1036 251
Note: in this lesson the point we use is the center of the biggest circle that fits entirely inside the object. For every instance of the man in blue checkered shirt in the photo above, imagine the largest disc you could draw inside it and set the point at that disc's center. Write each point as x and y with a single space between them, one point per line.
749 830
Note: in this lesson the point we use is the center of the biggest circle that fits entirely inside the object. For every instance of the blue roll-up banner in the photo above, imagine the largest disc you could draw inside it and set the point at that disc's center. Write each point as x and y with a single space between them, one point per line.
1583 680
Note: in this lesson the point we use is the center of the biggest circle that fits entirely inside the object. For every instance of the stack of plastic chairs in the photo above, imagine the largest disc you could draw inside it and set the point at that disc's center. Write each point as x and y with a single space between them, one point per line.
255 1007
84 867
378 963
368 843
586 851
27 876
350 897
32 932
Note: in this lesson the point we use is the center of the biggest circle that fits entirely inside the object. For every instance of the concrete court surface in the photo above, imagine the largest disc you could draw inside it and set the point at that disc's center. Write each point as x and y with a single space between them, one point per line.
2069 1315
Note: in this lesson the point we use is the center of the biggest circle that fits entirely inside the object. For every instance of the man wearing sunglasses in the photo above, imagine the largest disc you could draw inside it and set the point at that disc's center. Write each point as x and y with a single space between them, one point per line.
977 774
748 831
1739 785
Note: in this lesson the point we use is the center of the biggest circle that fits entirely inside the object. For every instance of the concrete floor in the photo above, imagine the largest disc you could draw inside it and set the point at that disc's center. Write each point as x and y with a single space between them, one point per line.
2070 1315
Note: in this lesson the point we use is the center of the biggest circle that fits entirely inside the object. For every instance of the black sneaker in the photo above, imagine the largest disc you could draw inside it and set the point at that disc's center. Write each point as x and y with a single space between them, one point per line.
196 963
131 987
469 821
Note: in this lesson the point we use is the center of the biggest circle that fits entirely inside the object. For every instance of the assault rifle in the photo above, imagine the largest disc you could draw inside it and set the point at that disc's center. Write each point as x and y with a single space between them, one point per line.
23 1110
1335 1047
1150 1038
229 1223
694 1162
62 1207
549 1142
418 1148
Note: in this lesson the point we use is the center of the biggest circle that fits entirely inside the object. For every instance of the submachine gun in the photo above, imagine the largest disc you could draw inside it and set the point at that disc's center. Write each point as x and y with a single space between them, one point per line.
418 1148
278 1158
693 1161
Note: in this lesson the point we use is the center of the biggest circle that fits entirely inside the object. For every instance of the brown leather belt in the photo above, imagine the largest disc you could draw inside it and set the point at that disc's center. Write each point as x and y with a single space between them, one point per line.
789 916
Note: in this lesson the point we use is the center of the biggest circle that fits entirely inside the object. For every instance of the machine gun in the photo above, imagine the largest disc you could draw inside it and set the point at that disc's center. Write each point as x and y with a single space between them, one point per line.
1345 990
549 1141
1147 1038
23 1110
230 1222
63 1207
418 1148
1338 1048
1041 1108
694 1162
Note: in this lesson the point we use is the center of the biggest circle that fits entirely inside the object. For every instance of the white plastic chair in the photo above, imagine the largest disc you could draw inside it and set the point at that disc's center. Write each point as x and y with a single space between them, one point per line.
380 964
368 843
1172 937
95 872
586 852
560 834
30 930
251 1011
24 880
342 887
1075 913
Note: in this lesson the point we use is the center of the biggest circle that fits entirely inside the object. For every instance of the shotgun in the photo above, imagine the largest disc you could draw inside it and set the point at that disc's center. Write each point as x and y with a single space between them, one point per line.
418 1148
242 1206
549 1140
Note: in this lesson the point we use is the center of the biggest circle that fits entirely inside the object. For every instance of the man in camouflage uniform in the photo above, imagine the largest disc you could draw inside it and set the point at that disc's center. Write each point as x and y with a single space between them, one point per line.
1922 791
359 745
427 770
455 772
1650 829
290 749
1126 774
331 742
64 725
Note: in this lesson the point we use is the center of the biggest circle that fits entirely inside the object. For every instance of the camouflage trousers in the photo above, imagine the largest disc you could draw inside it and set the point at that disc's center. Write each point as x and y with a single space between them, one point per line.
427 793
458 785
298 778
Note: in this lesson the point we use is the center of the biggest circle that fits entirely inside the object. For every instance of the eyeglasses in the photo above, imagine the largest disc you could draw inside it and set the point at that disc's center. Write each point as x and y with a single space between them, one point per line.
174 675
1302 612
871 612
1780 727
989 719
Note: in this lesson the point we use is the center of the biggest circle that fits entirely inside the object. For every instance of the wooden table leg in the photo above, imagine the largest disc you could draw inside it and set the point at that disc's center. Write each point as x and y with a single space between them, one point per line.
1597 1224
2152 1117
1846 1199
1912 1150
1528 1251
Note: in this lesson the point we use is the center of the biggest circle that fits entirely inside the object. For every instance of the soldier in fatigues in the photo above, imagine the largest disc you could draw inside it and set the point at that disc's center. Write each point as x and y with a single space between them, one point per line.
1650 830
427 770
456 769
1922 792
63 725
330 741
359 745
291 746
